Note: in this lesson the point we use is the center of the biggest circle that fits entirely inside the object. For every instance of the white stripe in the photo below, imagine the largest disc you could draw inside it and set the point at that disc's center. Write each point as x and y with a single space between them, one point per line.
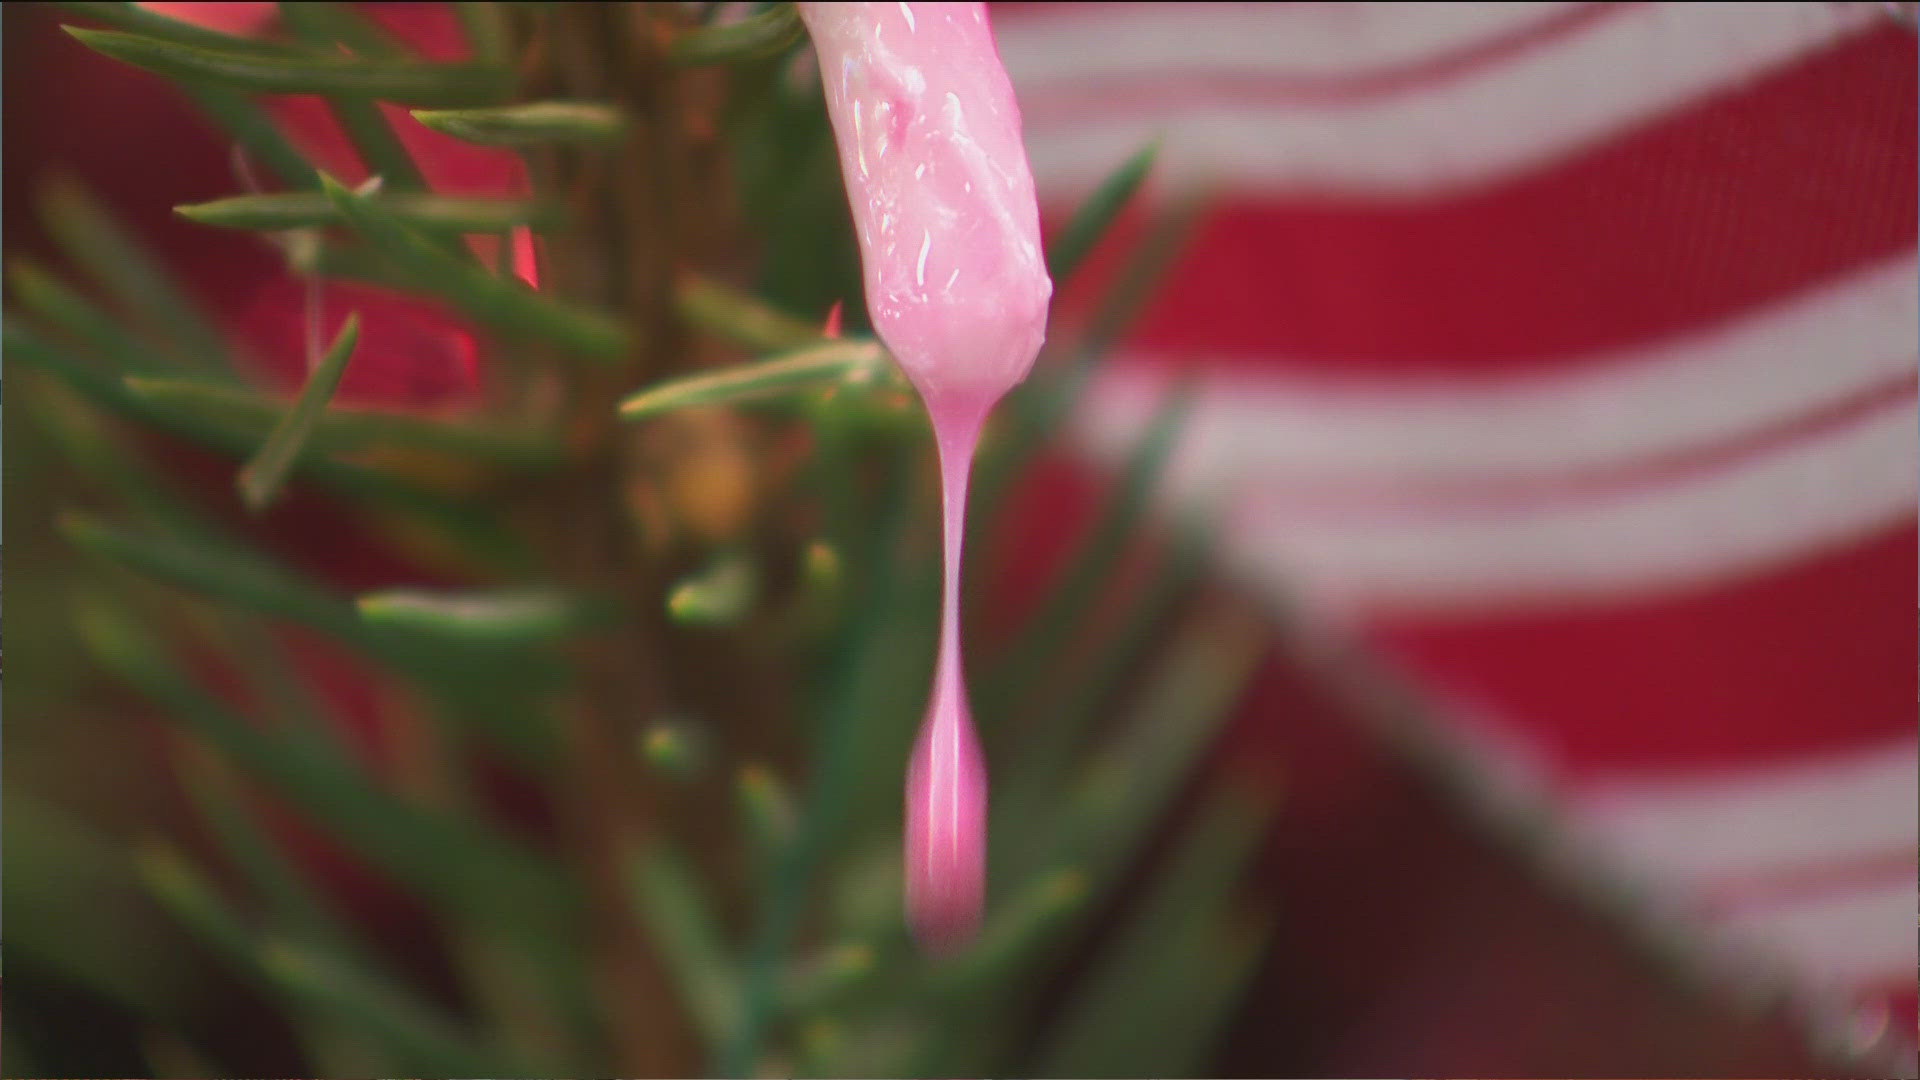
1522 113
1077 41
1776 506
1827 347
1701 832
1837 942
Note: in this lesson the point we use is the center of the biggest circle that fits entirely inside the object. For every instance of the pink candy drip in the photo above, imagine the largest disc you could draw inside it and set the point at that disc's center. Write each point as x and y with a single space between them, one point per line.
942 198
947 775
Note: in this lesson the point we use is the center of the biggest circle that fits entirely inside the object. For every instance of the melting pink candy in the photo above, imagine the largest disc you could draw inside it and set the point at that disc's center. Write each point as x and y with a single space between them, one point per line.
929 139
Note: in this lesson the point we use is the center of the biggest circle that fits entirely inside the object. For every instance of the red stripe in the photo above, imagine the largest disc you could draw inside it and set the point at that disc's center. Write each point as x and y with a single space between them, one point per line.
1369 494
1808 660
1798 884
1728 206
1159 90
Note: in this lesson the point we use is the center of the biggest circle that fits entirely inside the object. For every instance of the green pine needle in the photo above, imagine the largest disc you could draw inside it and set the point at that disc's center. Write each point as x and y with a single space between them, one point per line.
255 132
508 306
537 123
821 570
768 810
106 460
419 1034
99 332
76 909
676 748
324 25
490 619
377 144
853 361
820 984
231 109
476 687
451 214
485 25
452 861
756 37
234 420
102 458
727 312
1158 996
1052 630
405 82
1012 934
1095 216
969 992
107 389
143 20
134 278
868 660
1044 758
234 576
311 255
27 346
248 415
294 901
721 594
261 477
1129 785
191 898
680 920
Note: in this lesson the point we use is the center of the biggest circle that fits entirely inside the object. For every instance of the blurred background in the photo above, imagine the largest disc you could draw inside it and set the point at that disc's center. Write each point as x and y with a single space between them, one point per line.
1550 382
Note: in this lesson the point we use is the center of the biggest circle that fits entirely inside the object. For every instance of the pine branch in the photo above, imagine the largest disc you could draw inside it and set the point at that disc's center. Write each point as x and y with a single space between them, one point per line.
538 123
833 363
407 83
503 304
342 431
753 38
263 474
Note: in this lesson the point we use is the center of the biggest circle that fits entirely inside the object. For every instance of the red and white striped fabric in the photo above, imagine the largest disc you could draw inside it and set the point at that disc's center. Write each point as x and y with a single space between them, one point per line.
1566 352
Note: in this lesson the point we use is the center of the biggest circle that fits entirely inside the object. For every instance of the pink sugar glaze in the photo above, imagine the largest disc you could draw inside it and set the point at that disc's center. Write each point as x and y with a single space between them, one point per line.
946 822
942 197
